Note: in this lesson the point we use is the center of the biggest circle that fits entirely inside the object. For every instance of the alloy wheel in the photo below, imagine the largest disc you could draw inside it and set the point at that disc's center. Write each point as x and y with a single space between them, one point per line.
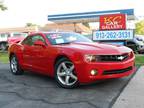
66 73
13 64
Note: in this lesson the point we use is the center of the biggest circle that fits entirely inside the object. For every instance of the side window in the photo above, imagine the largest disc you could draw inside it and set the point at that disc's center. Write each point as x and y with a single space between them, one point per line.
31 39
37 37
28 41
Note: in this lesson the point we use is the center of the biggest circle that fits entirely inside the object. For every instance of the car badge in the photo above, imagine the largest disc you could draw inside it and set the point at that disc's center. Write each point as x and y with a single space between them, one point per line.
120 58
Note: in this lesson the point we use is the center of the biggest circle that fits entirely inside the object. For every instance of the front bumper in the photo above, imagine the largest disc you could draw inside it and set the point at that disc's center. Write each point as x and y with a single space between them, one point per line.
105 70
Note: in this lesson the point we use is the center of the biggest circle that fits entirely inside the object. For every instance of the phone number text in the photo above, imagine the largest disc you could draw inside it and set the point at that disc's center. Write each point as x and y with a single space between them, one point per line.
113 35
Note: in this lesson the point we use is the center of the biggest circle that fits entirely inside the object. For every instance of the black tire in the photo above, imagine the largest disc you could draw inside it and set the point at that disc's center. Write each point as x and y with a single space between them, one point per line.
58 63
18 70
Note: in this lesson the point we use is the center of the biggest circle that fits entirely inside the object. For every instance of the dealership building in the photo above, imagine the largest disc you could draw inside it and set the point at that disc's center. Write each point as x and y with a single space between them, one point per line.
109 26
74 18
79 28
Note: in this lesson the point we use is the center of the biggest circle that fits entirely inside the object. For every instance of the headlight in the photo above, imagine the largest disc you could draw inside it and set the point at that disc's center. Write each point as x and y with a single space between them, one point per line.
131 54
91 58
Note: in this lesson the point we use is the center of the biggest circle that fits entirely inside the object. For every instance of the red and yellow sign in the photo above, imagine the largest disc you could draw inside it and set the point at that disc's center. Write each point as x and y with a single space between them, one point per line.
113 22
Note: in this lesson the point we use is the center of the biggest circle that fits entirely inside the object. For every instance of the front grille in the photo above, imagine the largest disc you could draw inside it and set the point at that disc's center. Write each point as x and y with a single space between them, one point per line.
113 57
117 71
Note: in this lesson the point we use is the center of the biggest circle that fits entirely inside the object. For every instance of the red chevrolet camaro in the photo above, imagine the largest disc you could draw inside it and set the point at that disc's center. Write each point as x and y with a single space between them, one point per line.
70 58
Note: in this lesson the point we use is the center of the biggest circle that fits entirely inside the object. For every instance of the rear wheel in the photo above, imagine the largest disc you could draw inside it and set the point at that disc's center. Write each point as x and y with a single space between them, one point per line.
65 74
14 66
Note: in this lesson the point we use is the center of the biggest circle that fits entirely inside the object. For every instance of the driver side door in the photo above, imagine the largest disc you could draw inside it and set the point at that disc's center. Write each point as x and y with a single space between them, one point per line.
39 53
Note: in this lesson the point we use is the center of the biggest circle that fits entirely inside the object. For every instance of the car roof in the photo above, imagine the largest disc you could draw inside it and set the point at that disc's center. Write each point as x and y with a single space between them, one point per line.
47 32
52 32
139 35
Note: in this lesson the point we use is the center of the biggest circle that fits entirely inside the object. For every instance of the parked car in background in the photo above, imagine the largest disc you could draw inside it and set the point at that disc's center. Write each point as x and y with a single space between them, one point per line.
3 41
70 58
17 37
9 38
137 44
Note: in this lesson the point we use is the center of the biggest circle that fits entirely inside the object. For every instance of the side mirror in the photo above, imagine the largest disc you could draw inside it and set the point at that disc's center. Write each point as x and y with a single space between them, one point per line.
39 43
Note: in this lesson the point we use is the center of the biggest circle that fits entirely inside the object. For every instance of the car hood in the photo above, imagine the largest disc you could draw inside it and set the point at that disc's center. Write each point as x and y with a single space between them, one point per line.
14 39
97 48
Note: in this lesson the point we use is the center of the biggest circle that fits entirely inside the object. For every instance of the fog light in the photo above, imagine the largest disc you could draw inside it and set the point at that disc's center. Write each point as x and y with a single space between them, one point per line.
93 72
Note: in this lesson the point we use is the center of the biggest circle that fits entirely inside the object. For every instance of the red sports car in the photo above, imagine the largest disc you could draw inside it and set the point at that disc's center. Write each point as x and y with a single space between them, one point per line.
70 58
16 37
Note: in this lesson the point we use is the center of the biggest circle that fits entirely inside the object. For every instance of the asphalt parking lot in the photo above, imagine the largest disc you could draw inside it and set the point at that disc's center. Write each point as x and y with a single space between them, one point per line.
36 91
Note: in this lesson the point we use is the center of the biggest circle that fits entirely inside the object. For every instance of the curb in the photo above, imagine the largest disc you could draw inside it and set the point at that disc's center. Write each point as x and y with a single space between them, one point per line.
132 95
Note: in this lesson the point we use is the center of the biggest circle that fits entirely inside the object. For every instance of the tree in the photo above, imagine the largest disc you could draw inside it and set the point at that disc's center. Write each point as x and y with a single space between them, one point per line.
30 24
140 27
86 24
2 7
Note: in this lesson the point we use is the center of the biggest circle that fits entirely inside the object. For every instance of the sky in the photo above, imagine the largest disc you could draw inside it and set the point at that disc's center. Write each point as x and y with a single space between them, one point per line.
21 12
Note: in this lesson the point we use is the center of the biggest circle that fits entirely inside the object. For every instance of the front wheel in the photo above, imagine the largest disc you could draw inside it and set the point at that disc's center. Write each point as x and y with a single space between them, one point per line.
14 66
65 74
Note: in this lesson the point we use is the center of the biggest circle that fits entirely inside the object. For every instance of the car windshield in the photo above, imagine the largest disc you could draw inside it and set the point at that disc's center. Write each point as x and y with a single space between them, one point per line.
66 38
